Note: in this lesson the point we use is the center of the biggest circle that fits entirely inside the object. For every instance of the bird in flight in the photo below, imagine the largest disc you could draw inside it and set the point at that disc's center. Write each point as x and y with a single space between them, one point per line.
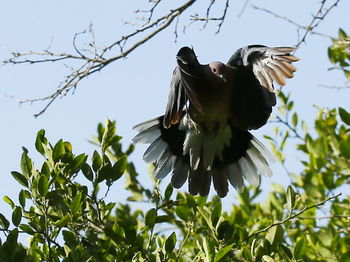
204 134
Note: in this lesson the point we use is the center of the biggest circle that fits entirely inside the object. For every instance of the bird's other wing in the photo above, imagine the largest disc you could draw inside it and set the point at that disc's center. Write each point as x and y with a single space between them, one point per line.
176 100
256 68
269 64
184 87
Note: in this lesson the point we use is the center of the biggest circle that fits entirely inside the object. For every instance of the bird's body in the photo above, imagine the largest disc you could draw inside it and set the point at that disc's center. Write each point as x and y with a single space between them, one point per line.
204 135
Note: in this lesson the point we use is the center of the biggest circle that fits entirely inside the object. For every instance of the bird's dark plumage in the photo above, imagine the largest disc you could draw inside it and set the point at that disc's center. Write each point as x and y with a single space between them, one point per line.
203 135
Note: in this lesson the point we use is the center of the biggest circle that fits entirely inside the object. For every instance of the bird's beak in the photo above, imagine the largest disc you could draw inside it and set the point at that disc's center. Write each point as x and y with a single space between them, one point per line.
181 59
222 77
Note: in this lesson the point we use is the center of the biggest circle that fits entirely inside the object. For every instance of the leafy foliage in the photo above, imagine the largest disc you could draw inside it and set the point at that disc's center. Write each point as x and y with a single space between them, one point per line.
69 221
339 52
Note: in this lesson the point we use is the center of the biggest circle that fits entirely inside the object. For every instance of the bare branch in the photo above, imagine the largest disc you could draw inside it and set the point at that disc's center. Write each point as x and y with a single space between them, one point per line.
243 8
345 86
208 18
92 58
320 15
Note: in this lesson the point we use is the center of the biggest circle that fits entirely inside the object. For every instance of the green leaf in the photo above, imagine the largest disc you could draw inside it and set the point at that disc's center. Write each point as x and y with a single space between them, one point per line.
170 243
341 34
345 257
87 172
215 214
40 141
267 258
209 248
69 238
275 235
331 55
76 203
290 197
9 201
286 252
299 248
45 170
107 135
222 252
27 229
12 238
119 167
4 223
163 219
58 150
63 221
77 162
22 198
344 115
20 178
168 192
43 185
295 119
67 147
26 165
201 200
17 216
105 173
96 161
151 216
344 147
182 212
347 74
325 236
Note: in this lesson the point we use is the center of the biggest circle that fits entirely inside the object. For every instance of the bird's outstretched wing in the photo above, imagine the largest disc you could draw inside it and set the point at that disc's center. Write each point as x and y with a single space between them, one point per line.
267 63
176 100
257 68
184 87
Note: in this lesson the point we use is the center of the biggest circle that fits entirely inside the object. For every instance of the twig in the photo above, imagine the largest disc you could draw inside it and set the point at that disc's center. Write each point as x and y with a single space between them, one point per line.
294 130
346 86
208 18
243 8
290 217
320 15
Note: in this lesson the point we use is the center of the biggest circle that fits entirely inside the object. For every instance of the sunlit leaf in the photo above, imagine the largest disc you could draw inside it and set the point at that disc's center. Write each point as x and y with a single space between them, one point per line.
290 197
275 235
26 165
222 252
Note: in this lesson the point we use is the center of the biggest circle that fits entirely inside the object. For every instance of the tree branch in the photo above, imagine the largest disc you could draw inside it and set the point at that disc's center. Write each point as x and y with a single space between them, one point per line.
291 217
320 15
93 59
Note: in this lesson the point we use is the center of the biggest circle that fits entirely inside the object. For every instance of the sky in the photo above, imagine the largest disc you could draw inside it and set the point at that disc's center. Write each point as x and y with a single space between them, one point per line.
136 88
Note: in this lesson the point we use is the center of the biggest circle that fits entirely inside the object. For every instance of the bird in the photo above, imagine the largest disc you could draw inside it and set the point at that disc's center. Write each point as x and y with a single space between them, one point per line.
204 134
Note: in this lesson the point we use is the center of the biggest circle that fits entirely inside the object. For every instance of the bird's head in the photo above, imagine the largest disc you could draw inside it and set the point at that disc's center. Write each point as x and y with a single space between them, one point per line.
220 70
186 56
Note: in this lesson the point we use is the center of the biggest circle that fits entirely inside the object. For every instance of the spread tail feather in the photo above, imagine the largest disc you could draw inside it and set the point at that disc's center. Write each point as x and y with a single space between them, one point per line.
243 157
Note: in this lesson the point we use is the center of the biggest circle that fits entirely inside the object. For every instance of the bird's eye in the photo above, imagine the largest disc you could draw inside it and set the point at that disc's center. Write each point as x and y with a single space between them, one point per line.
214 70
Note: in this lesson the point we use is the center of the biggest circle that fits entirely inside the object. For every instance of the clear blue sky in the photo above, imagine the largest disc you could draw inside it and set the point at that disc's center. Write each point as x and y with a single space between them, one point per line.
136 89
